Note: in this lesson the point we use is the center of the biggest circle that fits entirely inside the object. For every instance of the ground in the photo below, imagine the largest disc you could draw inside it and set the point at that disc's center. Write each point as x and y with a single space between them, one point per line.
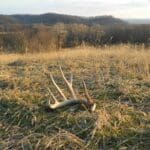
117 78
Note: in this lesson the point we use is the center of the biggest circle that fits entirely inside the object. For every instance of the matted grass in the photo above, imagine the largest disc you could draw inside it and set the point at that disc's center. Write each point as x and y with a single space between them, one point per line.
118 79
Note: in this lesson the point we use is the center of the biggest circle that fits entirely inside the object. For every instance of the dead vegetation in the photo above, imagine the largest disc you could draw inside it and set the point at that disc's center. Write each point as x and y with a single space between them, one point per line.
118 80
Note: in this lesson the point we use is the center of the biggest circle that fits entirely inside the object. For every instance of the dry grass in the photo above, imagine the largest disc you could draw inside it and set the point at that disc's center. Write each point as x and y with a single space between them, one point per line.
118 78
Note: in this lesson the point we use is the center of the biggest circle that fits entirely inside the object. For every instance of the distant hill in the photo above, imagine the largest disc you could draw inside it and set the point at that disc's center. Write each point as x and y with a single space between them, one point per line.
52 18
138 21
105 20
5 20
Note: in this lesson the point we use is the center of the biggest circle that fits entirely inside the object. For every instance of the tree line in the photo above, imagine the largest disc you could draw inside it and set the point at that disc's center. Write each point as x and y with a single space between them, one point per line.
40 37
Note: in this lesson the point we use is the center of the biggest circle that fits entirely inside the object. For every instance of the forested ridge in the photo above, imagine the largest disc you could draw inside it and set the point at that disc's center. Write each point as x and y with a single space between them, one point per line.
34 33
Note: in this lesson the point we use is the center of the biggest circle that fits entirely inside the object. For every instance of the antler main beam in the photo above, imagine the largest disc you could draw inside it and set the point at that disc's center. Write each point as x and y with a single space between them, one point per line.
88 102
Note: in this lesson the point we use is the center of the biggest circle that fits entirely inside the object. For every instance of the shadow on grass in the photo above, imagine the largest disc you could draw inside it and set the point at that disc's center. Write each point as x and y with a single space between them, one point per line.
13 113
28 128
134 141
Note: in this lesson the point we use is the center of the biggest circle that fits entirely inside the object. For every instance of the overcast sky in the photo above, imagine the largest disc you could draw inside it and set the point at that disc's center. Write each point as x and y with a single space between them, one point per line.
117 8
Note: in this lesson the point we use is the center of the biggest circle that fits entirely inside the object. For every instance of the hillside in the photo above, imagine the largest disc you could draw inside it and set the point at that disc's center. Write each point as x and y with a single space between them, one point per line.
5 20
52 18
138 21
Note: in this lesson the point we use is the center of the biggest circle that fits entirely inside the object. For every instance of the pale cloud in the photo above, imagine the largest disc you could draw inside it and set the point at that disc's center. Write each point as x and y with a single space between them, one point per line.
118 8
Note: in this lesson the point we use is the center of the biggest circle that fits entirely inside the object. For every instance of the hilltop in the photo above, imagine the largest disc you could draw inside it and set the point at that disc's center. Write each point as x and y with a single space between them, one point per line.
52 18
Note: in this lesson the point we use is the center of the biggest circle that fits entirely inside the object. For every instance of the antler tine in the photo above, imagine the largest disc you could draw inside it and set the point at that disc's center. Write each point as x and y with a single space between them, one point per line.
71 79
54 98
57 87
69 84
87 94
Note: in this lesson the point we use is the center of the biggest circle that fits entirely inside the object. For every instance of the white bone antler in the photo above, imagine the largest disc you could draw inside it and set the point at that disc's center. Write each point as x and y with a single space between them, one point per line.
88 102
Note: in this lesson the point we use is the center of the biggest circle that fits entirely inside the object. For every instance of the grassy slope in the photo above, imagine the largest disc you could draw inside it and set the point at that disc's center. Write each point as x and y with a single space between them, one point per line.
117 78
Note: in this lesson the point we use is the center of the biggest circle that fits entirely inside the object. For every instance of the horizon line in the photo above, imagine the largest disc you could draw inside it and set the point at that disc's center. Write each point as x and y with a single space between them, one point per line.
89 16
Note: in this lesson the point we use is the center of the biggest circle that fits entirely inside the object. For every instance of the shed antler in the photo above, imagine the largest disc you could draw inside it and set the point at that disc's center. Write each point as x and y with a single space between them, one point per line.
87 102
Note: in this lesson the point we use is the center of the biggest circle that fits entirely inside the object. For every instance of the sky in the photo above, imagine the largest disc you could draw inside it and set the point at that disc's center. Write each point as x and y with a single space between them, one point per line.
117 8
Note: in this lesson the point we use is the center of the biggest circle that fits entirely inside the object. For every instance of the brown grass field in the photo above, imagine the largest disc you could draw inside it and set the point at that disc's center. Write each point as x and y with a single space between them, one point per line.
118 79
